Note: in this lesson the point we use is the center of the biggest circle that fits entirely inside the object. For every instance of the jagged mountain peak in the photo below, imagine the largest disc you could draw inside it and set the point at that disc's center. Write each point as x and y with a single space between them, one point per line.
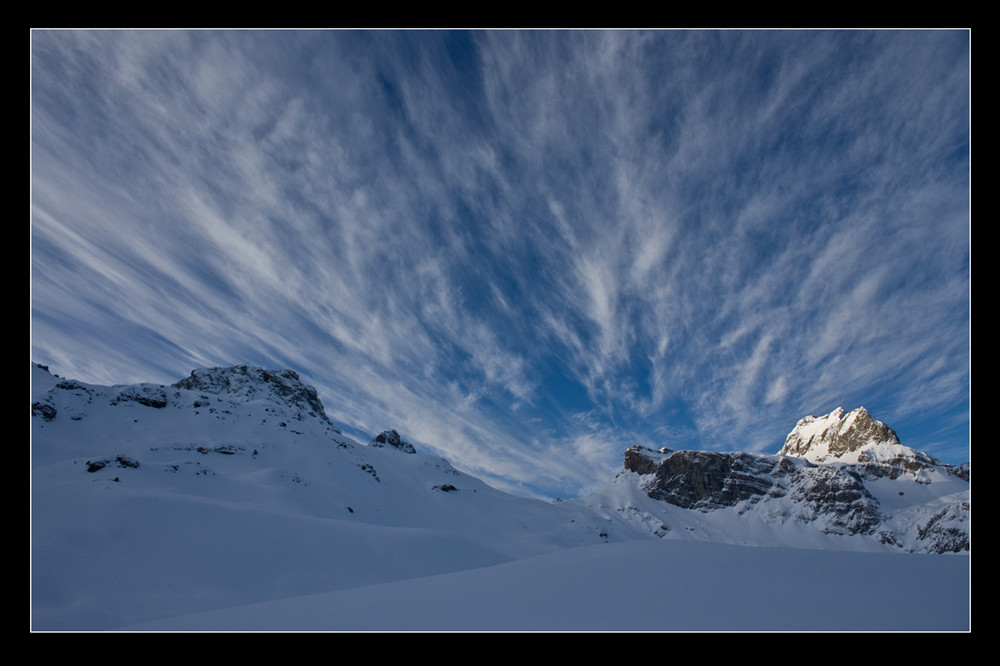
839 435
856 437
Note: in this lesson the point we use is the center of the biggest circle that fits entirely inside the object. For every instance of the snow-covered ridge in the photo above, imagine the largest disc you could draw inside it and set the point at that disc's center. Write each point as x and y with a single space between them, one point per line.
249 382
238 400
233 480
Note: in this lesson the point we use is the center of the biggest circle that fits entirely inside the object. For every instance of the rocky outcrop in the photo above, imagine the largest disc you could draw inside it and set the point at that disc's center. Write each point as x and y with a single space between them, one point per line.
250 382
43 409
947 531
150 395
701 479
835 495
392 439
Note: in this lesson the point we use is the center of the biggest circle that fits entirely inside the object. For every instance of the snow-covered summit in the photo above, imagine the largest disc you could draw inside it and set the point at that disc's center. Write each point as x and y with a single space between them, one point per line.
838 435
855 437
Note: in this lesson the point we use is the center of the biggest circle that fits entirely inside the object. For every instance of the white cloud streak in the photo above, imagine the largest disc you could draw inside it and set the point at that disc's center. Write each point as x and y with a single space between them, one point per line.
479 237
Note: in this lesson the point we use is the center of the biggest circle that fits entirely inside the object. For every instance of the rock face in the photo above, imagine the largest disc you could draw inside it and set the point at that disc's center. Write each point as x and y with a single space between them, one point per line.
821 477
703 479
855 437
824 438
392 439
249 382
150 395
707 481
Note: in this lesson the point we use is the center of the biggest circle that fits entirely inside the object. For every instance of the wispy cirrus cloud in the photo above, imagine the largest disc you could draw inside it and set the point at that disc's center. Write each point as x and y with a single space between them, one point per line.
516 245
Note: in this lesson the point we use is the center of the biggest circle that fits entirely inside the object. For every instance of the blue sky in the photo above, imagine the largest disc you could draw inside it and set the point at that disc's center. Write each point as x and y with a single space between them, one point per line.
524 250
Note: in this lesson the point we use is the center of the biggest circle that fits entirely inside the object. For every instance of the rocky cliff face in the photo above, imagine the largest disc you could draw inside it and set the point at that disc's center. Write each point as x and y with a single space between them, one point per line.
822 476
706 481
702 479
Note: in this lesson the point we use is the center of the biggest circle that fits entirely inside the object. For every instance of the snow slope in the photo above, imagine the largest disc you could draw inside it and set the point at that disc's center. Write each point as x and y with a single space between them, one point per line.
228 501
637 586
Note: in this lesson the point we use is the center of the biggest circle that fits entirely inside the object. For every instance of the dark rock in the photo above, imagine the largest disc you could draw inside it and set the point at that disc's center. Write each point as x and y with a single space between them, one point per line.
72 385
838 494
640 460
707 480
702 479
149 395
947 531
119 461
392 439
125 461
45 410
